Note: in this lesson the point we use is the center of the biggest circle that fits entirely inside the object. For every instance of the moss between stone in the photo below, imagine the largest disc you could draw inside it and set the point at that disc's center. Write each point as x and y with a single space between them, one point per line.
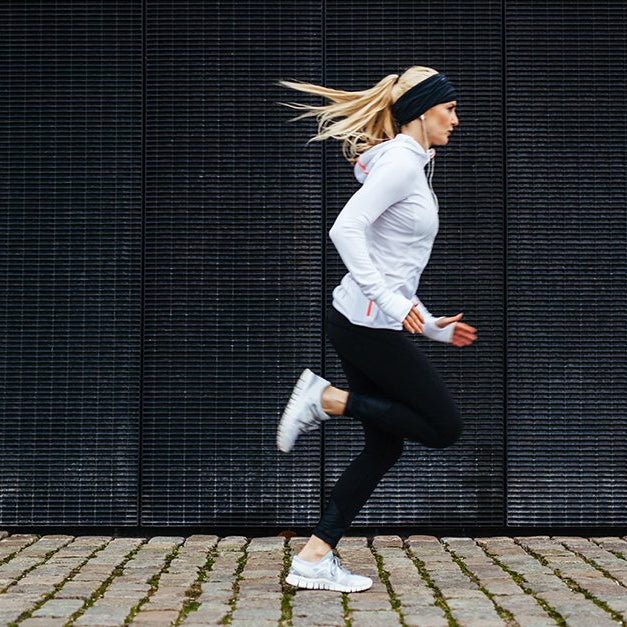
288 591
506 615
573 585
437 593
10 556
154 584
591 562
385 578
99 592
344 595
241 563
47 556
347 610
619 554
193 592
521 581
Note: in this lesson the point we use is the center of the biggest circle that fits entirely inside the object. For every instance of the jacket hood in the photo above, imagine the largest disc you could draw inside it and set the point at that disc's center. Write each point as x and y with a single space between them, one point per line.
366 161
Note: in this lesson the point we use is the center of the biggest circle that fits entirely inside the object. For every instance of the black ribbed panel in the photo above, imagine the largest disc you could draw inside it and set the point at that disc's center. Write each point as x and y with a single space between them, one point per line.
567 262
464 483
179 169
70 164
233 262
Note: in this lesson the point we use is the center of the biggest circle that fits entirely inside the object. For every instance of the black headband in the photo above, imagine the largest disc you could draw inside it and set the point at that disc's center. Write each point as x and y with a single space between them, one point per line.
426 94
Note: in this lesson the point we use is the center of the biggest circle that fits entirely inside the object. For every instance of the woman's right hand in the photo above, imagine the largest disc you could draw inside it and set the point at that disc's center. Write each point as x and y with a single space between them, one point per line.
413 320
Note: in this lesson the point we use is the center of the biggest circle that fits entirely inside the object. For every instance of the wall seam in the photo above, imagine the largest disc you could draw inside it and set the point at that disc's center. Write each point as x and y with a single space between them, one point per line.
505 231
142 297
323 193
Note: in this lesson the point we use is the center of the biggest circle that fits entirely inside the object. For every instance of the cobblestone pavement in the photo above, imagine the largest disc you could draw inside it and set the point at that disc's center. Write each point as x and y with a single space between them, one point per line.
208 579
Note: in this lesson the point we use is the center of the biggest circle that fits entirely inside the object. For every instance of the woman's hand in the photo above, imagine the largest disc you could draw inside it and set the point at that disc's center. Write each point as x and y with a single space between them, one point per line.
413 320
463 334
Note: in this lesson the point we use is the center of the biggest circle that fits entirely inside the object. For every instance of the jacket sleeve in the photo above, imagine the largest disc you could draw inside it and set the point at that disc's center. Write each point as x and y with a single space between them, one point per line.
390 180
430 329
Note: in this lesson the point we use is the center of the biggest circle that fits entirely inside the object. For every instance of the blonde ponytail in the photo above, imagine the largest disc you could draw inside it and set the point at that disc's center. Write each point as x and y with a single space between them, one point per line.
361 119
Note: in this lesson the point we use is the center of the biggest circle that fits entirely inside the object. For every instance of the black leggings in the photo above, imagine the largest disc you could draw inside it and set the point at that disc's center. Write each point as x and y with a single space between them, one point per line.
396 393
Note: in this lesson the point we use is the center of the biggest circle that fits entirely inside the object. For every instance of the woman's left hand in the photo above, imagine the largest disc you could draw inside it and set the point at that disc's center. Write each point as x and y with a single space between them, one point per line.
463 334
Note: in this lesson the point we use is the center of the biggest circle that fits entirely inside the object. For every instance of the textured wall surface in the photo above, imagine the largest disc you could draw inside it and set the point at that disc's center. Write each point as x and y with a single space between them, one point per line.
566 262
233 272
70 358
166 264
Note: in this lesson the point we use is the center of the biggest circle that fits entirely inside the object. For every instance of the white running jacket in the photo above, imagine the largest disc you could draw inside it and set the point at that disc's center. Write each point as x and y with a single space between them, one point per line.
384 235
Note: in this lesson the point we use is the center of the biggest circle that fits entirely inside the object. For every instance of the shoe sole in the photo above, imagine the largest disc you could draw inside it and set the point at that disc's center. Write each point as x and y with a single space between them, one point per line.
287 419
321 584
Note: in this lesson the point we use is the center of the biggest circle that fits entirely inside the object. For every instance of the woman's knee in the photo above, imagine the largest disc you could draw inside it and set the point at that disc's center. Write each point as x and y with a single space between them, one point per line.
385 455
449 430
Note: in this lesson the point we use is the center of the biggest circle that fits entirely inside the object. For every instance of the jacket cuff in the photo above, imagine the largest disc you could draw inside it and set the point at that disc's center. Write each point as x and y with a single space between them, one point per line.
397 307
431 330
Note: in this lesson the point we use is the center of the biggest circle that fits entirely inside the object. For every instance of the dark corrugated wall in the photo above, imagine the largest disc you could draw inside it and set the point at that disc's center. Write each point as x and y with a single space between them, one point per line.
233 280
167 257
71 168
566 262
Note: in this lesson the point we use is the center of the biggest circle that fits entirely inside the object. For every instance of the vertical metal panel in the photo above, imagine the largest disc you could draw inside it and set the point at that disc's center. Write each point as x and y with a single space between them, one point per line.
233 262
464 483
567 262
70 162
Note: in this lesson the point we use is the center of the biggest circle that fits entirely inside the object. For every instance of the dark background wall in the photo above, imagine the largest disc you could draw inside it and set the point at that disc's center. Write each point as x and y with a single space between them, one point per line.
166 263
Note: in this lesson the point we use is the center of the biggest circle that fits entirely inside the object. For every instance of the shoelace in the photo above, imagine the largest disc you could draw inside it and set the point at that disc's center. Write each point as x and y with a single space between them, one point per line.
335 566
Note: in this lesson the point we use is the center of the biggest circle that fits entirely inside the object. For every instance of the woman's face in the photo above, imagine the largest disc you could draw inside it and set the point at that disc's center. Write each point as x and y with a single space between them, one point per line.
441 120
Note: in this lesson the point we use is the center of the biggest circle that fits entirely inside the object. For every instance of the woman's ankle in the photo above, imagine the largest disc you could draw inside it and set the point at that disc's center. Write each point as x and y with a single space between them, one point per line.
333 401
314 550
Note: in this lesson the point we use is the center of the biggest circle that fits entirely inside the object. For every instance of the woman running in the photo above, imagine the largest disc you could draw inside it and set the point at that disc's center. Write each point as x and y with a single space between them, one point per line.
384 235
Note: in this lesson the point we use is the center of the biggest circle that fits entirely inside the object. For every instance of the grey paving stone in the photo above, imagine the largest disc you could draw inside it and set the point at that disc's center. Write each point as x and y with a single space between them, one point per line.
265 544
18 566
155 617
43 621
377 618
317 607
422 618
30 591
91 573
466 606
9 602
480 621
207 614
352 542
320 620
257 613
390 541
123 587
104 613
58 608
164 602
583 619
610 543
9 616
235 543
77 590
369 600
531 620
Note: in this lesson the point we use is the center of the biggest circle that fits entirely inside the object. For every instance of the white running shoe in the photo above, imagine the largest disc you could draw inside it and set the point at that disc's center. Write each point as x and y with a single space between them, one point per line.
325 574
303 411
